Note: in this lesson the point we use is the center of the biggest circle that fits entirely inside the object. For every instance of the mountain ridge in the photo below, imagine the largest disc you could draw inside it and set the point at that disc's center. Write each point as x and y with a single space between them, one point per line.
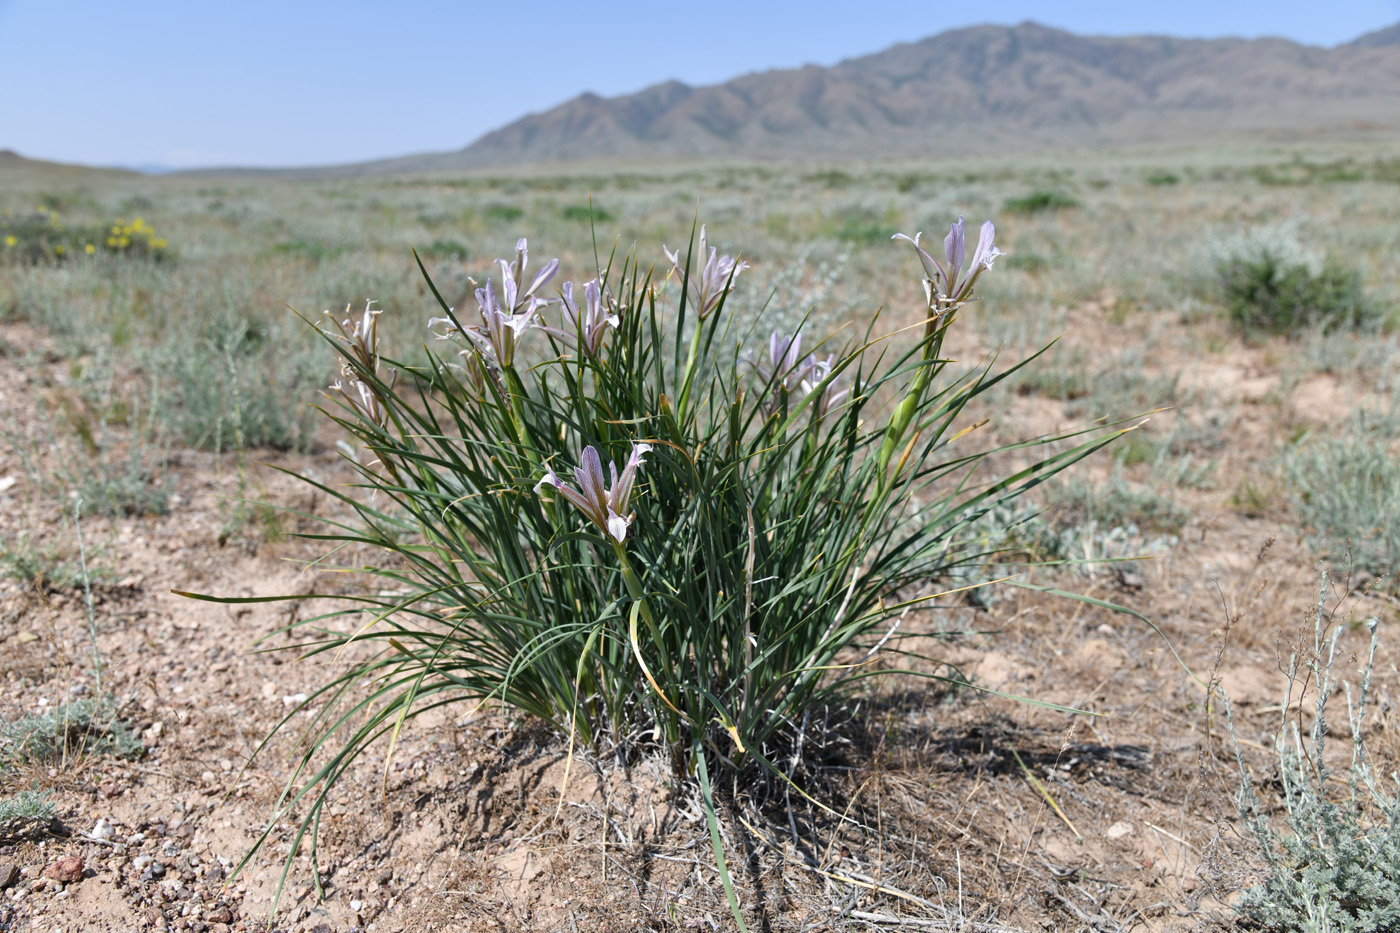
980 89
1045 85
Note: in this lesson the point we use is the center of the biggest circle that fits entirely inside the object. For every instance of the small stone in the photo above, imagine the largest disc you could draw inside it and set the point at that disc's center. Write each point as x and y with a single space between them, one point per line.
294 700
142 862
25 638
357 906
269 690
225 765
66 870
9 874
152 735
1119 830
1188 885
220 914
1131 579
207 777
102 830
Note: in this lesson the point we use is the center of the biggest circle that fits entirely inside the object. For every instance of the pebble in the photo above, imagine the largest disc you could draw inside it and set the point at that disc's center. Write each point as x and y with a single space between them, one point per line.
1119 830
9 874
66 870
356 906
294 699
102 830
142 862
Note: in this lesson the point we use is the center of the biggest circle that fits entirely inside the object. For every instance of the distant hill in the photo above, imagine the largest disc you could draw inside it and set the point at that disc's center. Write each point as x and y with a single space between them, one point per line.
14 165
982 88
1378 39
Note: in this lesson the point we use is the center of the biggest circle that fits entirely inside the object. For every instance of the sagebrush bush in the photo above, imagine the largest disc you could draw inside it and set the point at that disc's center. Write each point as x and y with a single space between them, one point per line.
1334 863
1272 285
1346 491
23 814
1038 202
239 390
1117 503
83 726
41 566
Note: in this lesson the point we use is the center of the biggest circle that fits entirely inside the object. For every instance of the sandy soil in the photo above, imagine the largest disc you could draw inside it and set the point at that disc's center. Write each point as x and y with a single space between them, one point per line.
947 794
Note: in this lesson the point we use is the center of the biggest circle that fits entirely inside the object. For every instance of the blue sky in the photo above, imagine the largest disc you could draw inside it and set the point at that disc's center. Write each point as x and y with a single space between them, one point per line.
254 82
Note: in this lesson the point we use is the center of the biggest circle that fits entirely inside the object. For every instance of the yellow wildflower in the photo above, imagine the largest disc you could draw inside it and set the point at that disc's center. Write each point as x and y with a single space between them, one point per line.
10 241
158 244
111 241
124 241
89 249
138 224
60 250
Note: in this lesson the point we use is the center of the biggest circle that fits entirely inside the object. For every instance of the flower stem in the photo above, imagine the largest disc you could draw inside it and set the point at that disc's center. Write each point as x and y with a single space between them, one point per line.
634 587
683 402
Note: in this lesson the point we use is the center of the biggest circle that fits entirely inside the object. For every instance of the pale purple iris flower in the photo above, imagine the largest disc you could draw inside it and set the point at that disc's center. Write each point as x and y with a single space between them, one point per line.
945 282
505 319
607 507
816 372
586 326
361 339
709 286
785 366
789 369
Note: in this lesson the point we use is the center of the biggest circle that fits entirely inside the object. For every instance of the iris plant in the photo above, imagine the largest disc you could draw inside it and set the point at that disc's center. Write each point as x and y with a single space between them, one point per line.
505 319
585 327
944 282
361 356
708 286
607 507
779 539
